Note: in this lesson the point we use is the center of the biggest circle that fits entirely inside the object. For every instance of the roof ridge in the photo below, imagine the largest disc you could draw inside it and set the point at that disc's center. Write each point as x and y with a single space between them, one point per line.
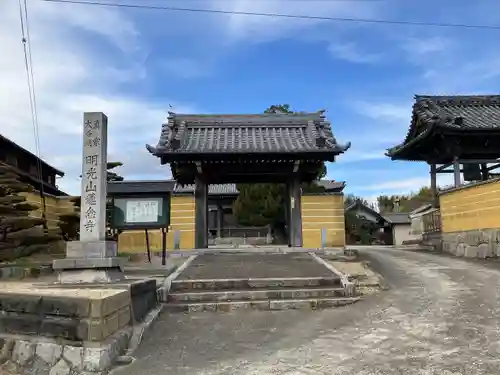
460 99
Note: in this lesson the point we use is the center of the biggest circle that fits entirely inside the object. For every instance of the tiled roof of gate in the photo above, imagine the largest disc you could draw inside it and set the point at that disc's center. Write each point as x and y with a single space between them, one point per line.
459 113
256 133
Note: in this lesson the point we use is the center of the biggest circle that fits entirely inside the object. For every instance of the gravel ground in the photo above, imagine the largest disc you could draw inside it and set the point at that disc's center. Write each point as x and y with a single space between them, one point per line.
235 266
441 316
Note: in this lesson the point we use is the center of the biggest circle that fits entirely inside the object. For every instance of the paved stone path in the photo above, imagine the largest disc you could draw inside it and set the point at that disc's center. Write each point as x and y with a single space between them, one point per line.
235 266
441 316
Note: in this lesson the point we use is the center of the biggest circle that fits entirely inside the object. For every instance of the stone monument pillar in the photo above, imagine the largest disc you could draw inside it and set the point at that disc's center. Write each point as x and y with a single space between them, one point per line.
92 259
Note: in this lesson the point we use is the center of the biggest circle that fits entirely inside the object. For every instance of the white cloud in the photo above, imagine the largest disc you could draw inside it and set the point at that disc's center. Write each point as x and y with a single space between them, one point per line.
74 75
183 67
352 53
389 112
405 186
261 29
352 156
421 48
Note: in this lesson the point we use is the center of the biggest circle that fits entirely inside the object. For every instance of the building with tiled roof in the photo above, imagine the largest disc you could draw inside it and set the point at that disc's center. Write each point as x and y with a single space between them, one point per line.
261 140
214 152
459 135
445 127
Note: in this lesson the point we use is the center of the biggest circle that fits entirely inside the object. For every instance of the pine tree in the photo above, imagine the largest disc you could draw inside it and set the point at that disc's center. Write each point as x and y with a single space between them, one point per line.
69 223
20 234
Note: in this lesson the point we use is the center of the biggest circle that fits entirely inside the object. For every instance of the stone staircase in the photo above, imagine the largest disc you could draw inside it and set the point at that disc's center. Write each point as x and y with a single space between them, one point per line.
258 293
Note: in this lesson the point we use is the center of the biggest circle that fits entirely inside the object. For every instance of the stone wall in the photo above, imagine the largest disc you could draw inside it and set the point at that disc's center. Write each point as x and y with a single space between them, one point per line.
62 330
483 243
53 357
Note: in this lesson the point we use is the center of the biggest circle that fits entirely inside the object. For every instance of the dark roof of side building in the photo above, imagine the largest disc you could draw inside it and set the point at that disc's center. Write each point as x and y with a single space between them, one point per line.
458 114
160 186
397 217
138 187
280 133
6 140
213 189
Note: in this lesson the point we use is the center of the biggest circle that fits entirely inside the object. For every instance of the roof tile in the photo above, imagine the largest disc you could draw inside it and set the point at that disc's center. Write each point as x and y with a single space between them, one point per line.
266 133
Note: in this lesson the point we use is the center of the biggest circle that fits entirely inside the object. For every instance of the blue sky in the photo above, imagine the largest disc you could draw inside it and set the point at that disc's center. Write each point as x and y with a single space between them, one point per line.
132 64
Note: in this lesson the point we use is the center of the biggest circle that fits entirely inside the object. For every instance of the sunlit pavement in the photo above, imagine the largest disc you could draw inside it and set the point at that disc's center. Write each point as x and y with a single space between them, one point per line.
440 316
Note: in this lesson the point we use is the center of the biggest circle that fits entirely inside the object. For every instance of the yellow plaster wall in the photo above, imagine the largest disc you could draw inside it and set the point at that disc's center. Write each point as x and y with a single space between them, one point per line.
182 219
323 211
471 207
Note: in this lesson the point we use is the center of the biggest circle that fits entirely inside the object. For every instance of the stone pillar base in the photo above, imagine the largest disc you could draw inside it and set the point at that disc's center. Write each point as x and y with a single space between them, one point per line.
89 262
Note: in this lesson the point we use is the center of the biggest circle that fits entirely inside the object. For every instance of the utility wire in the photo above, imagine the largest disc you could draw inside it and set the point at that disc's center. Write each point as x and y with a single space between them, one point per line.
28 64
280 15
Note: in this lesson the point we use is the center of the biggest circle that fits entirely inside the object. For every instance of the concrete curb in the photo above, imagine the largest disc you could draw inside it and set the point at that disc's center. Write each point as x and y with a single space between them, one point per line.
349 286
163 291
140 329
254 250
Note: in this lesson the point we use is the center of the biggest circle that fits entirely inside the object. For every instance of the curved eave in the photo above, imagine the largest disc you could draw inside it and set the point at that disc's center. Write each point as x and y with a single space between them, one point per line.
171 155
398 152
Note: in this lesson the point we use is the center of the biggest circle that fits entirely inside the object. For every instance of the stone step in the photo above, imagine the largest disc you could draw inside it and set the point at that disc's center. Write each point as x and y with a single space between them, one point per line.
257 283
268 305
255 294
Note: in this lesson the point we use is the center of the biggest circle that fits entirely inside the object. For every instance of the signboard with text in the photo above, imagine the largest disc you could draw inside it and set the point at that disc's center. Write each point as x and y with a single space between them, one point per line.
141 211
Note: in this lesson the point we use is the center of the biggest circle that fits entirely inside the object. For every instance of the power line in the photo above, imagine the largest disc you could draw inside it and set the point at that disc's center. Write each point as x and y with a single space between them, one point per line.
28 65
279 15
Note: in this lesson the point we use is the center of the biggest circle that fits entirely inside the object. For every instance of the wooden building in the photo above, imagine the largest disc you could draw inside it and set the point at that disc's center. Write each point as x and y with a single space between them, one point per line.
458 135
204 150
27 165
41 176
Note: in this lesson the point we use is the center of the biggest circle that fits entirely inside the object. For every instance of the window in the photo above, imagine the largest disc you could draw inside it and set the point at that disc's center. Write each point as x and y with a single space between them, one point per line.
33 170
11 160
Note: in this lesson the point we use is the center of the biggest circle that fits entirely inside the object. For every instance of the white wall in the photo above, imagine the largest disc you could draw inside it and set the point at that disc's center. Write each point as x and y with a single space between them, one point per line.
402 232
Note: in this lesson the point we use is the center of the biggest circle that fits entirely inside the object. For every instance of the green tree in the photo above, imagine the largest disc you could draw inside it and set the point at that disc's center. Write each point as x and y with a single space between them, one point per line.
405 203
112 176
349 199
111 234
20 234
69 222
264 203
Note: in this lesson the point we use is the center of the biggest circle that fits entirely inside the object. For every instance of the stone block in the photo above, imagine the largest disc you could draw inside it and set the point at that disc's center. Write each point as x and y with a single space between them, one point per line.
96 359
485 250
115 302
100 329
460 250
14 323
290 304
88 276
44 304
74 356
91 249
49 352
85 263
69 329
470 251
61 368
23 352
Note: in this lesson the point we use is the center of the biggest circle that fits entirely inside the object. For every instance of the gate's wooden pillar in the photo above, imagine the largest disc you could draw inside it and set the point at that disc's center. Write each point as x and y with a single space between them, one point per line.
294 196
220 221
456 172
201 213
435 197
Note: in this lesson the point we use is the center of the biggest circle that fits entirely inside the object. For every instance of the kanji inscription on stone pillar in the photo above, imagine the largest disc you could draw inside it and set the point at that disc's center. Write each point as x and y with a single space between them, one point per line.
93 202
